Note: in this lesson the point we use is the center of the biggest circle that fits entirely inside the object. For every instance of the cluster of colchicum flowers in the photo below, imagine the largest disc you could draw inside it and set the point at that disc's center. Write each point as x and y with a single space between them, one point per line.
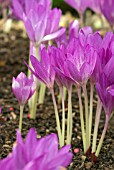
40 27
37 154
83 56
78 58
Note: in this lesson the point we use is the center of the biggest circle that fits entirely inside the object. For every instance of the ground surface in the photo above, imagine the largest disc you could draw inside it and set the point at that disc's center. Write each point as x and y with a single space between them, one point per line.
13 51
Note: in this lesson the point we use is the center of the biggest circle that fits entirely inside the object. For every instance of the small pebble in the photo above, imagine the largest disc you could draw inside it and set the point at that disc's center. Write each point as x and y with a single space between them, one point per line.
13 115
76 150
11 108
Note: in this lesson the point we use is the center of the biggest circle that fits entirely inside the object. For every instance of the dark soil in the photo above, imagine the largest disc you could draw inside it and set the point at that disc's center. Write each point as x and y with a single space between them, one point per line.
13 51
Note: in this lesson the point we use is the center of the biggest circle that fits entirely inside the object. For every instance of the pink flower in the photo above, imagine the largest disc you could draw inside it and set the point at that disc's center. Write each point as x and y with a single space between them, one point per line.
43 69
79 5
40 21
33 154
23 87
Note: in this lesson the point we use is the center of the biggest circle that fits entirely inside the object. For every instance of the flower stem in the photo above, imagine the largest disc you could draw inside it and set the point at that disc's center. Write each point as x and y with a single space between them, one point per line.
82 119
34 104
29 62
91 109
65 94
63 116
21 117
102 136
87 116
57 117
42 93
69 118
97 119
34 98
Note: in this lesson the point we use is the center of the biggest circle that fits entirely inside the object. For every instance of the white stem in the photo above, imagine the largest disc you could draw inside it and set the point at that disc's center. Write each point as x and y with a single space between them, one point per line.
91 110
102 136
65 94
69 118
29 62
63 116
21 117
34 104
34 98
87 116
57 117
97 119
42 93
82 119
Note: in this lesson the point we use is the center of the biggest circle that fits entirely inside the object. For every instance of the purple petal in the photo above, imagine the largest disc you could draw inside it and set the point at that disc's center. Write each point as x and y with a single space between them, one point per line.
40 31
19 138
31 143
17 9
53 24
73 29
29 29
54 35
74 72
61 159
25 92
111 90
39 69
33 72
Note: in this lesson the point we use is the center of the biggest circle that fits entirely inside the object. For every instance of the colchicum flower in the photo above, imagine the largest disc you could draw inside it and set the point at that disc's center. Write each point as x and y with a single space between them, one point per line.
42 28
37 17
43 69
62 77
33 154
105 94
81 63
107 8
104 77
79 5
23 87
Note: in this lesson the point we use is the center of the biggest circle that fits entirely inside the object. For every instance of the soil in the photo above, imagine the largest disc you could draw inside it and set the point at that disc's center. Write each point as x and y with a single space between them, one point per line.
13 51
